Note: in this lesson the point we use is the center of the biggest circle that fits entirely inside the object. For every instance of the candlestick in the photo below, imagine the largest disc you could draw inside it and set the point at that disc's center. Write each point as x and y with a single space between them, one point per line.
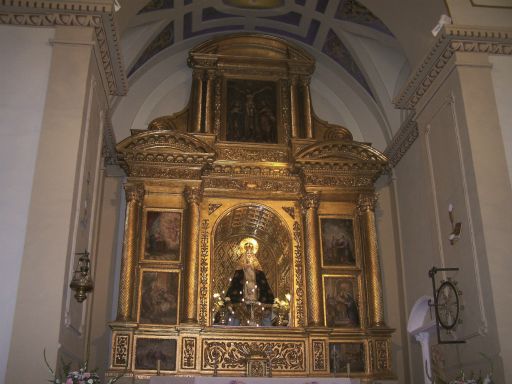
348 369
158 367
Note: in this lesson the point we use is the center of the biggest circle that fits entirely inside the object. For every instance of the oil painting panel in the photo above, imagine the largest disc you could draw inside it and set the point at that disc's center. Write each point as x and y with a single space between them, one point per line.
163 235
159 297
337 242
251 111
341 301
345 358
153 353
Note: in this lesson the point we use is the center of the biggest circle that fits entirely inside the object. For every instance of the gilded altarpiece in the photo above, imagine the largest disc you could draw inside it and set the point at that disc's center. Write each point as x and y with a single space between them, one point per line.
250 244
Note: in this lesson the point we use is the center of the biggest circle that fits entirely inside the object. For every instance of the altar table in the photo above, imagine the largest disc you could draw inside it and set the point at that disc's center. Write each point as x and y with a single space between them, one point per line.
250 380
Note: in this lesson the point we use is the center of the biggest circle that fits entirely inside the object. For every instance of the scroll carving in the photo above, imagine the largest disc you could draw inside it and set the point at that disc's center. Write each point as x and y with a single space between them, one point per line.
319 361
299 275
121 348
203 270
231 355
188 356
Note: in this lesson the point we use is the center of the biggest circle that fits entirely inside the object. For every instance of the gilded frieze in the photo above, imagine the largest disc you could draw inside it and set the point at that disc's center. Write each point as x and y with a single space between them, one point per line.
338 181
223 169
244 154
269 185
232 355
166 173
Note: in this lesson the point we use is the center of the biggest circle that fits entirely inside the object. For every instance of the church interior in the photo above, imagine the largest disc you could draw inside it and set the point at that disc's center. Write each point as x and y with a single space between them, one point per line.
238 191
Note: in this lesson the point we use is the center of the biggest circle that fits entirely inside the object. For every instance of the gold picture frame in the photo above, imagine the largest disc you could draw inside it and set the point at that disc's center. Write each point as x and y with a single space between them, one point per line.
338 242
159 297
342 300
155 354
162 236
347 358
251 110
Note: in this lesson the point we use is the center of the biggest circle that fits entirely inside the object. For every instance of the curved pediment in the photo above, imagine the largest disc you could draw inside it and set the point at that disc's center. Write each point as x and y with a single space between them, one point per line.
338 150
164 154
249 47
164 141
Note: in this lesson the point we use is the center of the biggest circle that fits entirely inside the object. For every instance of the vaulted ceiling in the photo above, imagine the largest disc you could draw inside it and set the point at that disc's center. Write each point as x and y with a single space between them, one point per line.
364 50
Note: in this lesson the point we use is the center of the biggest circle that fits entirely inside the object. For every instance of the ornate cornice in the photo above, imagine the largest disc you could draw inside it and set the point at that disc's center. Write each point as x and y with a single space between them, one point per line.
452 39
97 14
164 154
402 141
340 164
337 150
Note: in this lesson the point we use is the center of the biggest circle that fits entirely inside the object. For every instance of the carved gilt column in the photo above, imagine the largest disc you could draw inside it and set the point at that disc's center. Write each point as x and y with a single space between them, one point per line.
193 197
134 196
198 100
310 203
210 92
308 118
294 107
366 209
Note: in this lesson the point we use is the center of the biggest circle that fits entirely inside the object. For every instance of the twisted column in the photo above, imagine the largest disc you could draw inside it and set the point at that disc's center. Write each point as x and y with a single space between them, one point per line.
210 93
310 203
193 197
308 118
134 196
294 107
366 210
198 101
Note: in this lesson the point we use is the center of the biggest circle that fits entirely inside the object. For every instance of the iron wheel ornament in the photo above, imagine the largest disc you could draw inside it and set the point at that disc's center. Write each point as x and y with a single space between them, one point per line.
447 305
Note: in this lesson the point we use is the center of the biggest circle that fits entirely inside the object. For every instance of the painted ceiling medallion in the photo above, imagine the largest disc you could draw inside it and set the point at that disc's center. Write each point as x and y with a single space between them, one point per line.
254 4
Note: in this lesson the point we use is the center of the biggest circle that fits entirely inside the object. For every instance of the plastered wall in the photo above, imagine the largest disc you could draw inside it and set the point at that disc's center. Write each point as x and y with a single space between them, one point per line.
63 209
22 96
458 159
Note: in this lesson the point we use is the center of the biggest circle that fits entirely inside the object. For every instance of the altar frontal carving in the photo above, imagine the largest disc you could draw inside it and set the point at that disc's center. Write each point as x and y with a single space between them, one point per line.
250 243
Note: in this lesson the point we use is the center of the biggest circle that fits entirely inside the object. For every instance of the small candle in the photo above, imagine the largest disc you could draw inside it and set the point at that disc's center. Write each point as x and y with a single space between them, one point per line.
158 367
348 369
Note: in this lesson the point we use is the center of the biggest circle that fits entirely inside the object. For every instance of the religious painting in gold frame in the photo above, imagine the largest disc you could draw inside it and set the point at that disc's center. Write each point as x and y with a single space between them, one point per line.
342 301
155 354
162 235
159 297
251 111
347 358
337 242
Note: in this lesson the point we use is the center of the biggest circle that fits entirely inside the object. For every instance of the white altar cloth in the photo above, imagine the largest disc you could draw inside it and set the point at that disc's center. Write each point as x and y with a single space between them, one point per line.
250 380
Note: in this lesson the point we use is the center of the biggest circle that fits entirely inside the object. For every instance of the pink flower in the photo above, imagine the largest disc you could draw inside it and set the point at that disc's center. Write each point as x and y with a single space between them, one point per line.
69 380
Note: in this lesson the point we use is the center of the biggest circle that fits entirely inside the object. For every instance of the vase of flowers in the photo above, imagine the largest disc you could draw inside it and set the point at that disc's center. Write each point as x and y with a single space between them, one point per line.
281 308
82 376
221 309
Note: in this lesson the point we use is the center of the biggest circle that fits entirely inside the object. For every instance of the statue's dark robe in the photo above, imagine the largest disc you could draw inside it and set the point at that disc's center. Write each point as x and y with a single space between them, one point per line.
236 288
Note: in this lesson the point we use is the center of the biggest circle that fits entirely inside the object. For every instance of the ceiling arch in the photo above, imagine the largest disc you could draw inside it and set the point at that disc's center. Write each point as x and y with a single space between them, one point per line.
356 44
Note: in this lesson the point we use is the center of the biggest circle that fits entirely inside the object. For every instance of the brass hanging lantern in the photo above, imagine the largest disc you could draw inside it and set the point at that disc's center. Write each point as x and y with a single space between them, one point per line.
82 282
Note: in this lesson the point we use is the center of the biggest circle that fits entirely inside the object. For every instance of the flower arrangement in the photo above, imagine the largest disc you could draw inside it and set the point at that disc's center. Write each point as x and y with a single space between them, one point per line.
219 302
76 377
82 377
282 306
